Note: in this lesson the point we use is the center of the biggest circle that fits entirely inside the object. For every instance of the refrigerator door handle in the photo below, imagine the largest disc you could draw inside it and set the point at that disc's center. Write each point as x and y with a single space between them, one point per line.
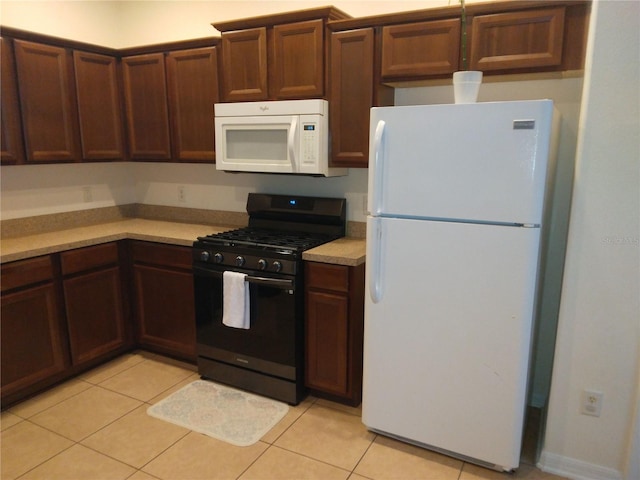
375 274
375 189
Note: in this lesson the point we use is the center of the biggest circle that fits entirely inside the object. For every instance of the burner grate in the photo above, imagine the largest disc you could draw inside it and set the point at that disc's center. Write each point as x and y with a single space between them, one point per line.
268 239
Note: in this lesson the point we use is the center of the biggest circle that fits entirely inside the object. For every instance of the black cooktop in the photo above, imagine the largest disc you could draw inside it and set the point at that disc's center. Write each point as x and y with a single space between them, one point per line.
268 239
285 223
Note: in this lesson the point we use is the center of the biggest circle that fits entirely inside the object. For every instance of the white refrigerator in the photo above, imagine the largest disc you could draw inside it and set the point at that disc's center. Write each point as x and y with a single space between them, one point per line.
456 205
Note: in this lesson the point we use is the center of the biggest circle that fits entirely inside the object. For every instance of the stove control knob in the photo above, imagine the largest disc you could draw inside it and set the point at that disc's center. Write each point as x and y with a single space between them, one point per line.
277 266
239 261
204 256
218 258
262 264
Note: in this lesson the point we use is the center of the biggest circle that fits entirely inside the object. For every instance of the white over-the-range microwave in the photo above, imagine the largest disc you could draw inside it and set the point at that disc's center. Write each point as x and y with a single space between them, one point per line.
285 136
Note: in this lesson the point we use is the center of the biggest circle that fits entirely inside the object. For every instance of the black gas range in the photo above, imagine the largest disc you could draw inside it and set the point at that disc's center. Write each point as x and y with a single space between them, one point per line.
268 357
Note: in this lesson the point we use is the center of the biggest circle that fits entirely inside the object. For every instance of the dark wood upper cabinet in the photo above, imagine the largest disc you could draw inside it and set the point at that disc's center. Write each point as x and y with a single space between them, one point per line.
513 40
11 132
283 62
297 69
420 48
99 107
355 87
351 59
192 77
276 57
47 99
244 65
145 91
504 37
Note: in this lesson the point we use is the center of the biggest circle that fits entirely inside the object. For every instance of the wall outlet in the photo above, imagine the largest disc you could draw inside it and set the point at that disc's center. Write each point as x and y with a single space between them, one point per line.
87 194
182 195
591 403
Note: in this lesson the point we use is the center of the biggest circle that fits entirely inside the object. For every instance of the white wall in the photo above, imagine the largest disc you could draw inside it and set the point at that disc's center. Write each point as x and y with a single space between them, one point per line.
599 329
29 190
205 187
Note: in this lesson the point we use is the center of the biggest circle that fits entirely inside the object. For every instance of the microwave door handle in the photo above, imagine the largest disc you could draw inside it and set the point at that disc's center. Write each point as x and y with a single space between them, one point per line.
291 143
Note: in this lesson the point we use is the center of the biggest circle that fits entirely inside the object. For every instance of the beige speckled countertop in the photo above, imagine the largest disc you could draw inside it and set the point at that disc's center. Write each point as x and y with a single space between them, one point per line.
345 251
137 229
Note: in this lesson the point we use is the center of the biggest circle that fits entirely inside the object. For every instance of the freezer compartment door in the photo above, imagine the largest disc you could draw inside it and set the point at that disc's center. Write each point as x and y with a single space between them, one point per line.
479 162
447 334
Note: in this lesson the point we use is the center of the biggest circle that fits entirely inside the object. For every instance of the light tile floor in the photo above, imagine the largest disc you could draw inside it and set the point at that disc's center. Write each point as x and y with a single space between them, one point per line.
95 427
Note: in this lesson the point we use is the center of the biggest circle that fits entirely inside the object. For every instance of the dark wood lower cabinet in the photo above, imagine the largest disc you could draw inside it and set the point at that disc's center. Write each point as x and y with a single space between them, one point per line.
32 340
32 344
67 312
61 314
334 331
163 286
93 294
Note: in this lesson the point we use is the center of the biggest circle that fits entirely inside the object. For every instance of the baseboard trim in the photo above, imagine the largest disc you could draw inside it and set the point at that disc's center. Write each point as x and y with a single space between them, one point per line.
575 469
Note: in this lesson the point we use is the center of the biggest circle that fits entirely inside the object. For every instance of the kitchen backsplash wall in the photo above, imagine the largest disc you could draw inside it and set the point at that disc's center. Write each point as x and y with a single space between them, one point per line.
205 187
30 190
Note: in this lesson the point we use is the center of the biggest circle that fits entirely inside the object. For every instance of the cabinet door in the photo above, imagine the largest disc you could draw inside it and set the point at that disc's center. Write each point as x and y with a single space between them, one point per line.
164 299
296 70
192 77
327 342
517 40
93 301
12 149
351 97
94 314
32 343
244 65
99 109
47 99
420 49
145 90
165 310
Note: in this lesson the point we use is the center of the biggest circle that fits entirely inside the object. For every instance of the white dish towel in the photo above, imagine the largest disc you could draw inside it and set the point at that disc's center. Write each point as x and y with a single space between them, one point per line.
235 305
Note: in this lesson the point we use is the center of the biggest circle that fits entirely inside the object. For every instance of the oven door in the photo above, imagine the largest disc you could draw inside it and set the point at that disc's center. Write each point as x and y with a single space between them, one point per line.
272 344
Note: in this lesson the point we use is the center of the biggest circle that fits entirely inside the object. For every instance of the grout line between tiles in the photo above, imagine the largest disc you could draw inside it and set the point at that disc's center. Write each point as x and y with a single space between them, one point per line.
51 457
375 436
313 458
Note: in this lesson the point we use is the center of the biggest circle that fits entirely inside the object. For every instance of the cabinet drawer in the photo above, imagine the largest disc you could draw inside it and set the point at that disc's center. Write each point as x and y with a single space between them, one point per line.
88 258
26 272
328 277
165 255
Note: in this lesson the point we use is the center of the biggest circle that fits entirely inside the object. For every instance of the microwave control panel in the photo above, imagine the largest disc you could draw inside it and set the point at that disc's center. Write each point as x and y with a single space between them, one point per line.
310 142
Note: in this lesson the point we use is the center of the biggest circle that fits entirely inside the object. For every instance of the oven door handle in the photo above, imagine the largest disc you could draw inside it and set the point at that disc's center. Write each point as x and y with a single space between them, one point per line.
282 283
270 282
